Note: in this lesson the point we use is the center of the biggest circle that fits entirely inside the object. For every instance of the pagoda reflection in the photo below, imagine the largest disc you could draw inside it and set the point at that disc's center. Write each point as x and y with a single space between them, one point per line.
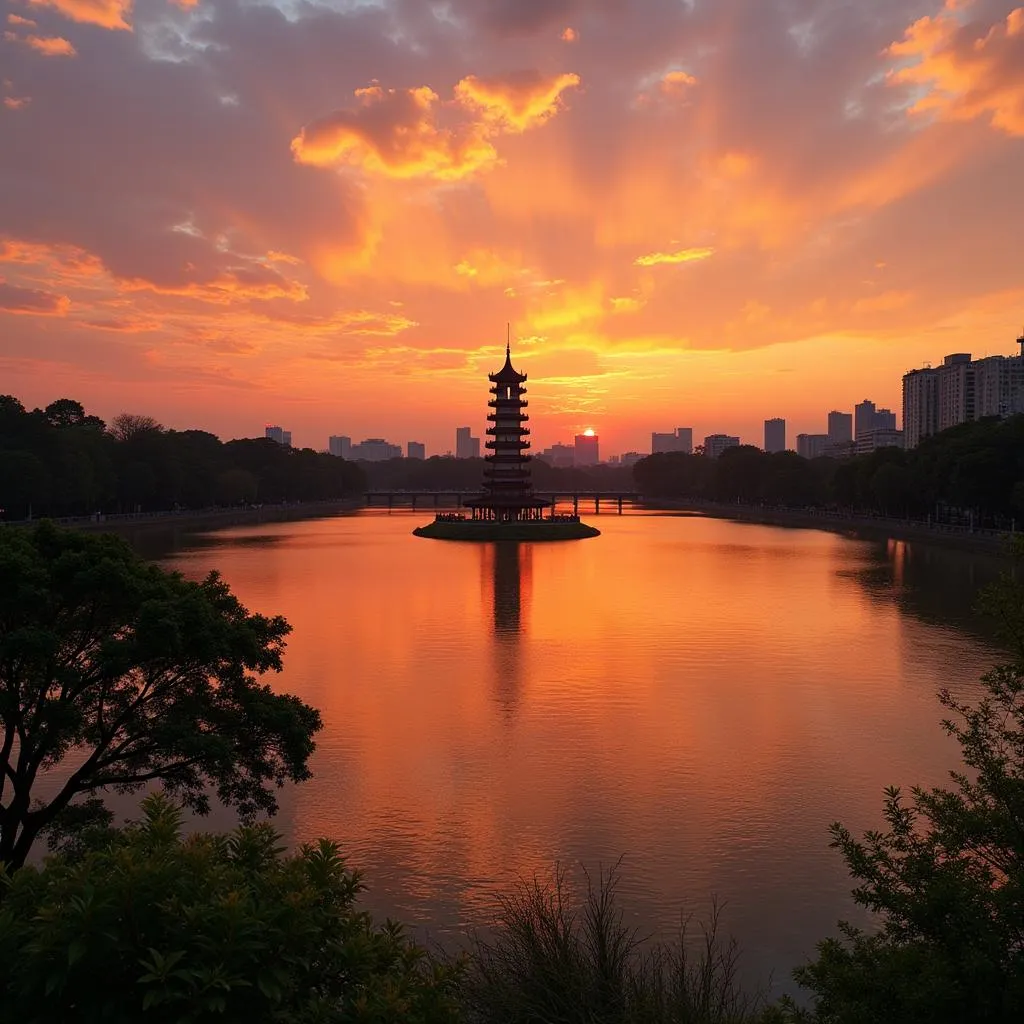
507 568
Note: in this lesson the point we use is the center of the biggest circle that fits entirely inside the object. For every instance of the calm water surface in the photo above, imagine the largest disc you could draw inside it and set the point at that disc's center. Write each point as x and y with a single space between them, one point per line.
698 696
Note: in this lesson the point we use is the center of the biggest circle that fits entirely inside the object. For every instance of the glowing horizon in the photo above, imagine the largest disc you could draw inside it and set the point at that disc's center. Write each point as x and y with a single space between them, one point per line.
699 214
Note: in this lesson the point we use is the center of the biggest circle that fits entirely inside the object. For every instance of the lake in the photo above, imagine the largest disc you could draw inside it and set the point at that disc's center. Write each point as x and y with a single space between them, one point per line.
697 696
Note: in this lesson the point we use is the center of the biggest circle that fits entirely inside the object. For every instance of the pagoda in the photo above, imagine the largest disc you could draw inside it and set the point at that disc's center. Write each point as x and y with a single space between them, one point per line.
508 508
508 493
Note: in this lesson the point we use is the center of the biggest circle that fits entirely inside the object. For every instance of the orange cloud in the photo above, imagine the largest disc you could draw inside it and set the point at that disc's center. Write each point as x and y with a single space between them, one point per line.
670 85
112 14
968 72
569 35
31 301
399 133
394 132
17 102
231 285
515 102
680 256
48 46
16 19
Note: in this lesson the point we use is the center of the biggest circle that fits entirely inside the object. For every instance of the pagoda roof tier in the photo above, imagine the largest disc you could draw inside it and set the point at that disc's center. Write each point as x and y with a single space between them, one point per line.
522 417
504 442
507 374
511 403
521 431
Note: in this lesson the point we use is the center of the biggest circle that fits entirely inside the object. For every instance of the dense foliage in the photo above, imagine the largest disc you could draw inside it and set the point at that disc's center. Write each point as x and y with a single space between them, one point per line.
975 468
945 877
152 926
58 461
115 673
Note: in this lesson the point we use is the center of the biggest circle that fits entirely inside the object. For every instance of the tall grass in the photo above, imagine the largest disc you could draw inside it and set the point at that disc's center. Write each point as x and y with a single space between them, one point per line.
563 959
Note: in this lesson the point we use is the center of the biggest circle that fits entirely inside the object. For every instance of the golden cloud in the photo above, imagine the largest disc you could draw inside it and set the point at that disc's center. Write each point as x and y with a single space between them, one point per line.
229 286
569 35
515 102
48 46
112 14
968 72
17 102
394 132
410 133
16 19
693 255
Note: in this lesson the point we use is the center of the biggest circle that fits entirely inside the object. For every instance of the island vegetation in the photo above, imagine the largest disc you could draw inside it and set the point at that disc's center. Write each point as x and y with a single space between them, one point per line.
116 675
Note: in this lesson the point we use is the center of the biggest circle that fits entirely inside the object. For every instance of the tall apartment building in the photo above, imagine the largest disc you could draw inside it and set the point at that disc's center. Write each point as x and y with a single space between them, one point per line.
466 446
715 444
811 446
956 390
340 446
960 390
840 427
920 405
775 435
585 450
680 440
280 435
415 450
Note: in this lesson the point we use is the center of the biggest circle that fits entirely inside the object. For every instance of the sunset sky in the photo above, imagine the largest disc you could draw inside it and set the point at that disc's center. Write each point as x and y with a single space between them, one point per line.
323 214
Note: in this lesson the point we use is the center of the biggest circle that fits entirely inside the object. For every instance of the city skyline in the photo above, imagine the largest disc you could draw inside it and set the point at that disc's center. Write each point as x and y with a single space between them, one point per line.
315 247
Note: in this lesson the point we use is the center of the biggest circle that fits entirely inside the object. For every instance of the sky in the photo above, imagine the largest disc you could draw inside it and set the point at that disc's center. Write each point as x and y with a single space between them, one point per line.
324 213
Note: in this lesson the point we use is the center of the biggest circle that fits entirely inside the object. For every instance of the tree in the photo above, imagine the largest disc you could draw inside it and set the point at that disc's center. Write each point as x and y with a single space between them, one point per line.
127 425
150 926
115 673
946 876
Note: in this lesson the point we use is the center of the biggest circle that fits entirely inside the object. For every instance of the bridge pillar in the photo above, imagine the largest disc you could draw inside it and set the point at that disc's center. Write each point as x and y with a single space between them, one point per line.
597 505
391 501
437 499
458 501
620 504
575 504
414 503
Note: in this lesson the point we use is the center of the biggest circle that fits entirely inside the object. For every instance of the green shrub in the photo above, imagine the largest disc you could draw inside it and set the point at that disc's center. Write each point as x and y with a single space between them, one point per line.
208 927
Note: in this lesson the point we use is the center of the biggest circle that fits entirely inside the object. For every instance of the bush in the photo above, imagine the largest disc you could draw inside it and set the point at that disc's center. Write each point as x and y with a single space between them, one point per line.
221 927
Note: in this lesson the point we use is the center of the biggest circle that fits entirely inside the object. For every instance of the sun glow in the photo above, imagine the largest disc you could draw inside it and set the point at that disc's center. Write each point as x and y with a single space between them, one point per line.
589 432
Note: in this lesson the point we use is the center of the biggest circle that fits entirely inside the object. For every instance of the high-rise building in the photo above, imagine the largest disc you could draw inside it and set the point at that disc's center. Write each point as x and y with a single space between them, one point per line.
630 458
415 450
376 449
998 386
679 440
715 444
811 446
775 435
466 446
920 405
881 438
561 455
863 418
340 446
278 434
840 427
586 449
956 390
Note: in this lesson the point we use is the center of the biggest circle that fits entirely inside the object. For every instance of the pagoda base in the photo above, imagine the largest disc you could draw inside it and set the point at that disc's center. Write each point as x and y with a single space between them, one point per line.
450 528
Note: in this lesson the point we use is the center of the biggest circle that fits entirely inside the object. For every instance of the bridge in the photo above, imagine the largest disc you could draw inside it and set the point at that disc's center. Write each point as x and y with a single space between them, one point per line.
455 497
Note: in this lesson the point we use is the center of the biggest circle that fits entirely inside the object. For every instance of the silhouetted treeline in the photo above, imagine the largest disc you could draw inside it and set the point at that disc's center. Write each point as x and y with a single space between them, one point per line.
467 474
975 469
59 461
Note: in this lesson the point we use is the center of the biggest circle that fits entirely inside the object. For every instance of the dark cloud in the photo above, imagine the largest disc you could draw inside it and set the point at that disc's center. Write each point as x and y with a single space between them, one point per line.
31 300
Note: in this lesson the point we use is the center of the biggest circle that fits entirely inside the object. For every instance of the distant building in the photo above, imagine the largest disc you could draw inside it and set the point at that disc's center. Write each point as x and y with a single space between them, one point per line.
376 449
962 389
340 446
281 436
585 448
560 455
775 435
920 405
867 419
680 440
415 450
838 449
811 446
715 444
840 427
630 458
882 438
466 446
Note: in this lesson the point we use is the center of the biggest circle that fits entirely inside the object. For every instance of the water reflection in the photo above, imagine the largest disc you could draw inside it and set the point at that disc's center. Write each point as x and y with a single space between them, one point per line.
508 568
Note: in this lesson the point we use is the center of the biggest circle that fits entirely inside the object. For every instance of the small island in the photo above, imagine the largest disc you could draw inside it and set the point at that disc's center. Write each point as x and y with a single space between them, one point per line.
507 509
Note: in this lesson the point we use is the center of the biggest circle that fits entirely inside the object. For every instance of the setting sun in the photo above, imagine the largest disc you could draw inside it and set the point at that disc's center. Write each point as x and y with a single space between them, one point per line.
589 432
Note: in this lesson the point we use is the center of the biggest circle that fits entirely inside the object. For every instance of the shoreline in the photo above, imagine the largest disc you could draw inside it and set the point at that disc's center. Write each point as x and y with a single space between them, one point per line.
991 542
